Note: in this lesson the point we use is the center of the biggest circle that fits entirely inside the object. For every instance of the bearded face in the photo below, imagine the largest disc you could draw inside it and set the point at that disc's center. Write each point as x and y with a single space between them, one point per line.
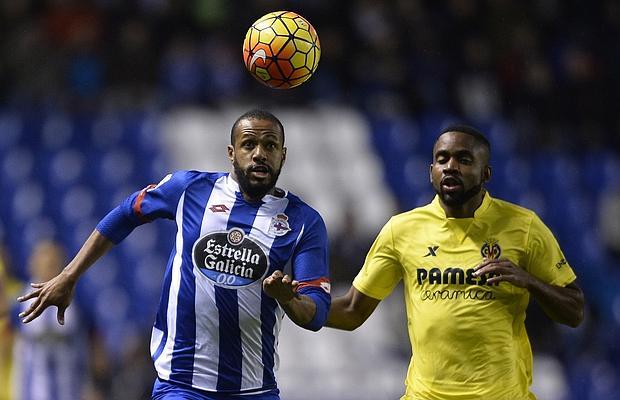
257 155
459 169
256 180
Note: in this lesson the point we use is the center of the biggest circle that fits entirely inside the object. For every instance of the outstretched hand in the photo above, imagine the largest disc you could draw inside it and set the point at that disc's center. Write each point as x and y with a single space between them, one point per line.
58 292
281 287
504 270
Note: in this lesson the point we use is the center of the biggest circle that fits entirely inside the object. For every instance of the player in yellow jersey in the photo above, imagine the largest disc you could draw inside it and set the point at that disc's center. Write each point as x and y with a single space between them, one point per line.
469 264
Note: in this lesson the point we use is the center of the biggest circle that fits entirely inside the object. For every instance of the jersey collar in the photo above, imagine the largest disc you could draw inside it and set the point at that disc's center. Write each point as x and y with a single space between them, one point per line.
233 188
484 206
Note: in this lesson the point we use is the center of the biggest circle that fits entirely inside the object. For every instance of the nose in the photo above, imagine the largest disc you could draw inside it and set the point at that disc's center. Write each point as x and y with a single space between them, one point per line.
452 165
259 154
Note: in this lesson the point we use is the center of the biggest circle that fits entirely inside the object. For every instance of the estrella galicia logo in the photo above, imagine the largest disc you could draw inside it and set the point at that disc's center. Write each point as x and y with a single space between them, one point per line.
490 249
230 258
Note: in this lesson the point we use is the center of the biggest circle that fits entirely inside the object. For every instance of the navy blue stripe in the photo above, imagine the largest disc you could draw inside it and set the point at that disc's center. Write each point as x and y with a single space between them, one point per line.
161 320
52 371
182 365
268 321
229 367
281 250
241 216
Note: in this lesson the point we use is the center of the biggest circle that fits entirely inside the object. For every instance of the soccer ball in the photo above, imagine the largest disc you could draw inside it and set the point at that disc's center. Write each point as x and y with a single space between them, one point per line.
281 50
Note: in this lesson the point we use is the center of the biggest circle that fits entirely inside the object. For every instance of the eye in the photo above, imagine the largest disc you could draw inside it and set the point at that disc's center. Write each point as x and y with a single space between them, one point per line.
466 160
248 144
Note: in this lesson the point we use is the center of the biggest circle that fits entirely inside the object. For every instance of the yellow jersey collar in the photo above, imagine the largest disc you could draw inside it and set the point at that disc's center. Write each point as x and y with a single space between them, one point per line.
486 203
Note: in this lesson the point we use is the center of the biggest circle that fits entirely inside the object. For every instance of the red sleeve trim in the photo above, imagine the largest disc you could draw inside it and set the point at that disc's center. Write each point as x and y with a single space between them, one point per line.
137 206
321 283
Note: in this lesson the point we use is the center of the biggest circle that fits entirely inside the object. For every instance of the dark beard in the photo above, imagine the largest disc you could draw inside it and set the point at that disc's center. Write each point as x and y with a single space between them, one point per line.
253 190
460 198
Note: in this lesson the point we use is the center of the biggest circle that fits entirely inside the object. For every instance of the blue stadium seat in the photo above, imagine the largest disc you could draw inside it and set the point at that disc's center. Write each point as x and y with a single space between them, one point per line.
11 130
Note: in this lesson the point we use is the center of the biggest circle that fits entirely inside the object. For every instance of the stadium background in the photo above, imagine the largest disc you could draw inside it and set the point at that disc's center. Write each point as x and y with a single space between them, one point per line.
100 98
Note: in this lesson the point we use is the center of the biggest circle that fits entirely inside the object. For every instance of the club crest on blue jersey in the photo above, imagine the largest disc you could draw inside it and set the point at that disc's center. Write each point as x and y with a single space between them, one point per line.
230 258
279 225
490 249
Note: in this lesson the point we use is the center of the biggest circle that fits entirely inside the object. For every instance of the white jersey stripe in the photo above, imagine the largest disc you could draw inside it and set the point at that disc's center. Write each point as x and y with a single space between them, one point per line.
250 302
276 333
163 364
249 315
207 347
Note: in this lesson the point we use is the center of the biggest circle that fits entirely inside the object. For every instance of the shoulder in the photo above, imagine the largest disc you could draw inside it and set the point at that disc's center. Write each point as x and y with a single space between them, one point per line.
505 209
415 215
185 178
303 210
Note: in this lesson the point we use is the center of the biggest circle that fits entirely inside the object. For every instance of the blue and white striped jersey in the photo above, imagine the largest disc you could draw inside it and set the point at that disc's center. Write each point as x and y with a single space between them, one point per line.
50 360
216 329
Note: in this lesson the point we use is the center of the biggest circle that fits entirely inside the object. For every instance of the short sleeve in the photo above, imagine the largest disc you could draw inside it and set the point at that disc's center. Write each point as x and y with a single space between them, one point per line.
545 259
152 202
161 200
382 270
310 258
311 269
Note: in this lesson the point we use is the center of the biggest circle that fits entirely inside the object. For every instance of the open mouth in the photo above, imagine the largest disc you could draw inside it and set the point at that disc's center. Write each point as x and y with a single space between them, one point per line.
451 183
260 171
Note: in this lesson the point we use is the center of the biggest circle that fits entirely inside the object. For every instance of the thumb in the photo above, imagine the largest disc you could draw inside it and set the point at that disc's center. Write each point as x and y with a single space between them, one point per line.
61 315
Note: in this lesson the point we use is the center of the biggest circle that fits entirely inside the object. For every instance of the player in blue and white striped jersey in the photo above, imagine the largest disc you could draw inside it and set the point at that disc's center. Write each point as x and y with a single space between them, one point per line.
225 291
50 362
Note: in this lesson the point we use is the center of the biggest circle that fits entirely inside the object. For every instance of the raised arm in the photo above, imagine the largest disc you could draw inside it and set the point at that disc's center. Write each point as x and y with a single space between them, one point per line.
58 291
351 310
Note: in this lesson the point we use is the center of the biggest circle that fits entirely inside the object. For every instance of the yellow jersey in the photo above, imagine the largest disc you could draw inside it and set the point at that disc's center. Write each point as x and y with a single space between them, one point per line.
468 337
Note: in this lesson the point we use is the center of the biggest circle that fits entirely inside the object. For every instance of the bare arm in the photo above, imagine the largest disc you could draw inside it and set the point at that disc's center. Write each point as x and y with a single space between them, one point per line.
299 308
58 291
562 304
351 310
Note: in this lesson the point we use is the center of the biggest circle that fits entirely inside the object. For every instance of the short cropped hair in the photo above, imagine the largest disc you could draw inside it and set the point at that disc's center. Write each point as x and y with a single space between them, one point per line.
256 114
471 131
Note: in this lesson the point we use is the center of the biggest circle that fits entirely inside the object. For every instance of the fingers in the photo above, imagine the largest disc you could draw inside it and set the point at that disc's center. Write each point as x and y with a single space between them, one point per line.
60 316
37 285
498 266
33 311
497 278
29 296
276 277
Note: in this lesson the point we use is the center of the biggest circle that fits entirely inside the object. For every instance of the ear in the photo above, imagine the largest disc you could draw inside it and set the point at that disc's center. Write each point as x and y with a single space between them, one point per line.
486 174
231 153
430 173
283 156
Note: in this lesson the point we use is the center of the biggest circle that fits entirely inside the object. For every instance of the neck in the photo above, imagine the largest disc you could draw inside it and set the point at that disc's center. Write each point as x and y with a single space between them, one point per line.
465 210
250 197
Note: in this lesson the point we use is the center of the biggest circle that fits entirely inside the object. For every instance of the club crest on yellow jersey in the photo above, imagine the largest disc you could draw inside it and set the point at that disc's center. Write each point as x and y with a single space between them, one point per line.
490 249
